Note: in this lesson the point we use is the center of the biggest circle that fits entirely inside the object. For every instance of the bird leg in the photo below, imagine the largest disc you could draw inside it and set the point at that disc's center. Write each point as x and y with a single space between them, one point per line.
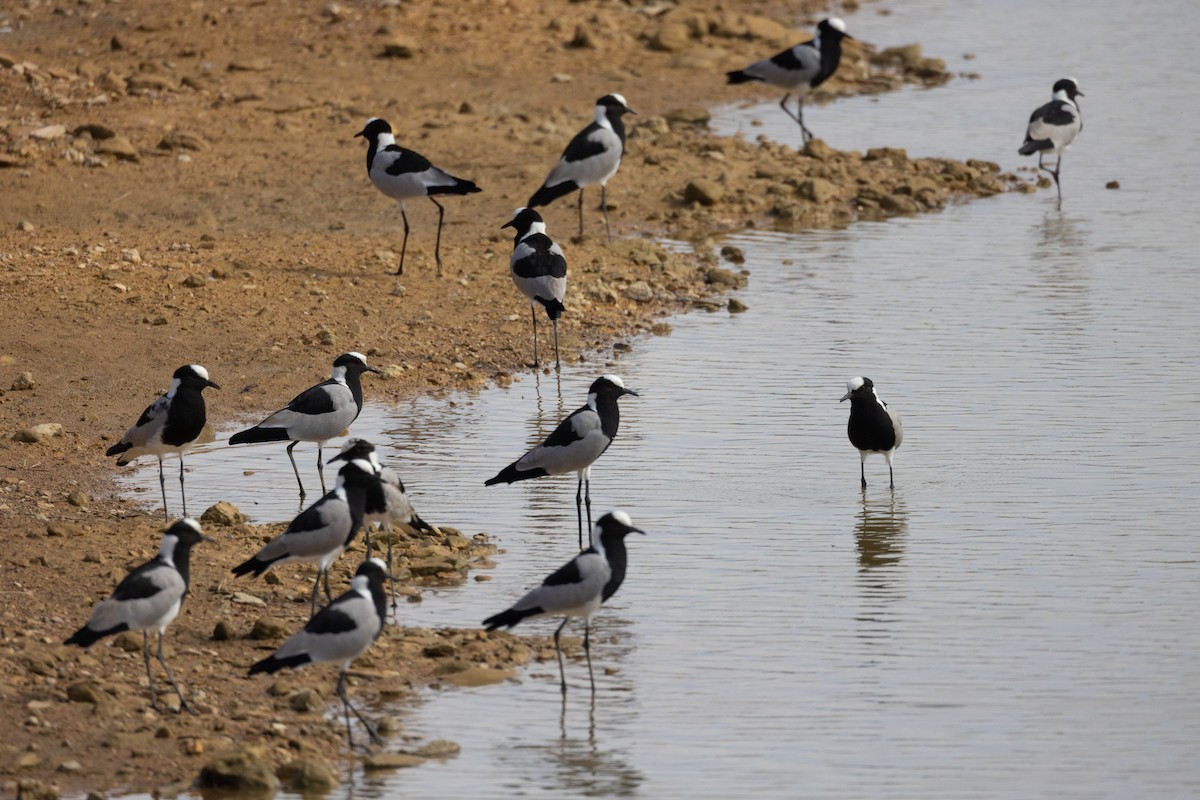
891 478
162 483
437 244
182 493
183 704
349 707
587 500
312 600
604 208
557 363
798 117
562 675
581 212
862 468
587 650
533 317
387 531
579 508
404 244
321 469
328 594
296 469
149 674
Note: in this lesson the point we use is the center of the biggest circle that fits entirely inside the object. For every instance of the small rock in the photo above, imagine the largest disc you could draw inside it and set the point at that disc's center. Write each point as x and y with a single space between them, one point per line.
583 39
50 132
477 676
183 140
639 291
194 281
734 255
241 770
223 513
1113 185
23 382
29 761
118 146
71 766
439 748
95 130
671 37
816 148
222 632
269 628
26 226
735 306
131 256
703 191
688 117
308 775
85 692
326 337
400 46
392 761
720 277
38 433
304 701
816 190
129 641
250 65
241 598
77 499
35 790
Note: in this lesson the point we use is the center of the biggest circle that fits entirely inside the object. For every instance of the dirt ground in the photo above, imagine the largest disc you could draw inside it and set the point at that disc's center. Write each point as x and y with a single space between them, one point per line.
180 184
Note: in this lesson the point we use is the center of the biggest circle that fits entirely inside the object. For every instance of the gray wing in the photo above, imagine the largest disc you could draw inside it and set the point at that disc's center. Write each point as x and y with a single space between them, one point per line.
310 427
146 432
793 68
153 610
895 417
317 533
577 443
579 593
595 168
339 633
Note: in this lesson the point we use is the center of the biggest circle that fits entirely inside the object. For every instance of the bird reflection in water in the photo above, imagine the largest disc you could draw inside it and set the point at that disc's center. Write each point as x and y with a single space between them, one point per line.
879 532
583 764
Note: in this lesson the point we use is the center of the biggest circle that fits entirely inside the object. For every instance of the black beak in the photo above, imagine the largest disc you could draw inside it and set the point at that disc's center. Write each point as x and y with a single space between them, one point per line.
630 391
510 224
213 384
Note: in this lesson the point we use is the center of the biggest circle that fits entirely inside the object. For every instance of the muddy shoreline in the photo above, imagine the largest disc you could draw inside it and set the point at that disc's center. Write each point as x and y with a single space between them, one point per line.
183 186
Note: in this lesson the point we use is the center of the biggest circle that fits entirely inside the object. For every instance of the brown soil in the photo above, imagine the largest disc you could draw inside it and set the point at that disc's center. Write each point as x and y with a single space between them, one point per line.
205 202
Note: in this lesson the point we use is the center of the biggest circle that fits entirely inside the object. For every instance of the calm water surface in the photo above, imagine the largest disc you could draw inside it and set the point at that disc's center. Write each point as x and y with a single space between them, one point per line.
1017 619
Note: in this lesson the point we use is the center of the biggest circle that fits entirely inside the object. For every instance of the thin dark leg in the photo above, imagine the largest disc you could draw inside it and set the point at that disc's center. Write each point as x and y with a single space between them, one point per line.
579 508
604 208
295 469
162 483
437 244
805 134
1057 185
862 470
562 675
149 674
557 363
182 493
587 650
183 704
321 469
328 594
533 318
587 500
350 708
387 531
404 245
312 600
581 212
891 477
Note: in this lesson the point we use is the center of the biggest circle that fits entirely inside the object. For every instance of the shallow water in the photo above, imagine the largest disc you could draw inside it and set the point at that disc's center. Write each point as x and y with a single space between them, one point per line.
1016 619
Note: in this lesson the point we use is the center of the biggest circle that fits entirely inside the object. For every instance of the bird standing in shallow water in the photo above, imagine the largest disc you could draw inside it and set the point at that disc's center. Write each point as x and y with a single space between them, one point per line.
340 633
317 414
171 424
800 69
873 427
593 156
539 270
1053 127
574 445
148 598
404 175
578 588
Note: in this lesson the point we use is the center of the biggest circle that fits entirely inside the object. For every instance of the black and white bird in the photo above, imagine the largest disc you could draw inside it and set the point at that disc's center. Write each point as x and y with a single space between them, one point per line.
339 634
873 427
578 588
575 444
800 69
321 532
148 599
386 503
1053 127
406 175
539 270
593 156
171 424
317 414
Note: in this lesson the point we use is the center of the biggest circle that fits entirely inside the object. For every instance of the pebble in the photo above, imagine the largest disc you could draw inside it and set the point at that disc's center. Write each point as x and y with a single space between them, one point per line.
223 513
269 628
85 692
222 632
391 761
26 226
240 770
439 748
50 132
306 775
703 191
118 146
400 46
38 433
23 382
1113 185
736 306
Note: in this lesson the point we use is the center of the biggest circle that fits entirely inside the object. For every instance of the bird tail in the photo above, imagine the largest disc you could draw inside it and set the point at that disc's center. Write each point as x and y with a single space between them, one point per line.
554 308
459 186
257 434
508 618
548 194
118 448
511 474
86 637
421 525
1031 146
739 76
255 565
272 664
